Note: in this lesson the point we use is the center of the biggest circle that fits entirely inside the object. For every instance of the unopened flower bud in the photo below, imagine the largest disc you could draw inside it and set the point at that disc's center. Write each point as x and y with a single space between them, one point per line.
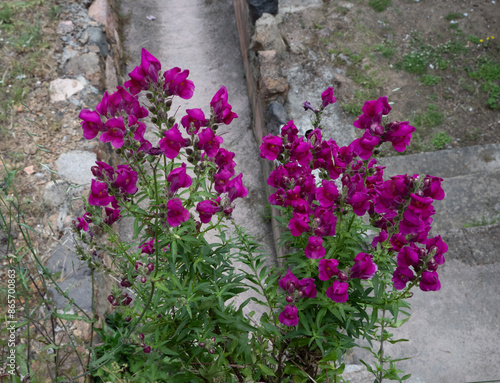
342 277
289 299
154 120
202 344
111 299
147 349
128 319
211 351
171 120
168 103
144 279
125 283
213 339
138 265
141 336
149 96
150 267
432 265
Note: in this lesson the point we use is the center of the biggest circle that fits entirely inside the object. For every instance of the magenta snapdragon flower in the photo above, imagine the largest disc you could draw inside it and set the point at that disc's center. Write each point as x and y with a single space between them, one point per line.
363 147
399 134
432 187
99 194
221 181
372 113
172 142
177 84
176 213
430 281
363 267
224 160
82 223
206 209
439 246
290 132
327 194
178 178
401 276
337 292
221 109
209 142
121 100
327 97
194 120
271 146
144 74
307 288
408 256
235 188
91 123
126 179
112 215
289 316
298 224
148 247
115 132
289 282
327 268
314 248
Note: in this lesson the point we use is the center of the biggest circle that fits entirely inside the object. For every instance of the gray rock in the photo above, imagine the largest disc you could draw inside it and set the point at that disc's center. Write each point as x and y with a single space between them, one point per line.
259 7
87 64
98 37
75 166
55 194
267 36
276 117
65 26
62 89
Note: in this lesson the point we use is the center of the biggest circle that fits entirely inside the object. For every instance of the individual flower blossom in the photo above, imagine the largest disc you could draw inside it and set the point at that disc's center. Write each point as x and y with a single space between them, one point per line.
437 245
307 288
194 120
172 142
143 75
327 194
177 84
176 213
314 248
401 276
408 256
221 109
112 215
360 202
411 223
431 187
337 292
301 152
298 224
209 142
398 240
363 147
289 316
399 134
99 194
224 160
103 171
235 188
82 223
278 178
221 181
290 132
206 209
139 132
421 205
372 113
148 247
289 282
430 281
325 222
91 124
178 178
271 146
327 97
126 179
363 267
327 268
121 100
380 238
115 132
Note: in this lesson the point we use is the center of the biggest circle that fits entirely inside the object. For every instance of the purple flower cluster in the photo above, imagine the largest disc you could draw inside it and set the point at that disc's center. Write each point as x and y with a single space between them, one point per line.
401 206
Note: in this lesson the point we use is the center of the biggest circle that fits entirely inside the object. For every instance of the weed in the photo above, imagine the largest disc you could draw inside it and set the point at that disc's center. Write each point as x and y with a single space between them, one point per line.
430 80
5 14
440 140
483 222
454 16
379 5
387 50
54 12
488 72
432 117
474 39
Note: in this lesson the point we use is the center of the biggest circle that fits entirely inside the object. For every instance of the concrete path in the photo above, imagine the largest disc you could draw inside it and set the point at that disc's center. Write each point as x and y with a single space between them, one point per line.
201 36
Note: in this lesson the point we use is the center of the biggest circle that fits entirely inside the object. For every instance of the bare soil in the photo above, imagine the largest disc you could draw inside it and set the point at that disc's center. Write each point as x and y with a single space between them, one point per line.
442 55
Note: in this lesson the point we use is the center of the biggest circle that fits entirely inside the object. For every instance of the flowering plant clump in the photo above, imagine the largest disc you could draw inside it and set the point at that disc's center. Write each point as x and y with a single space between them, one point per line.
175 287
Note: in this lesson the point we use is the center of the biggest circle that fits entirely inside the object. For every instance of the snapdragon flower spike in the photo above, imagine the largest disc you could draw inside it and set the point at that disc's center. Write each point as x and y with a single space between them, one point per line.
172 142
121 100
399 134
289 316
178 178
221 109
177 84
327 268
363 147
327 97
82 223
145 74
126 179
363 267
176 213
99 194
112 216
91 124
372 113
337 292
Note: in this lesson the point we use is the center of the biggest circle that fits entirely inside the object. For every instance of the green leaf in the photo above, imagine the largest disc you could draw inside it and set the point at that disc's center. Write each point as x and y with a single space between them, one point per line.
266 370
27 227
